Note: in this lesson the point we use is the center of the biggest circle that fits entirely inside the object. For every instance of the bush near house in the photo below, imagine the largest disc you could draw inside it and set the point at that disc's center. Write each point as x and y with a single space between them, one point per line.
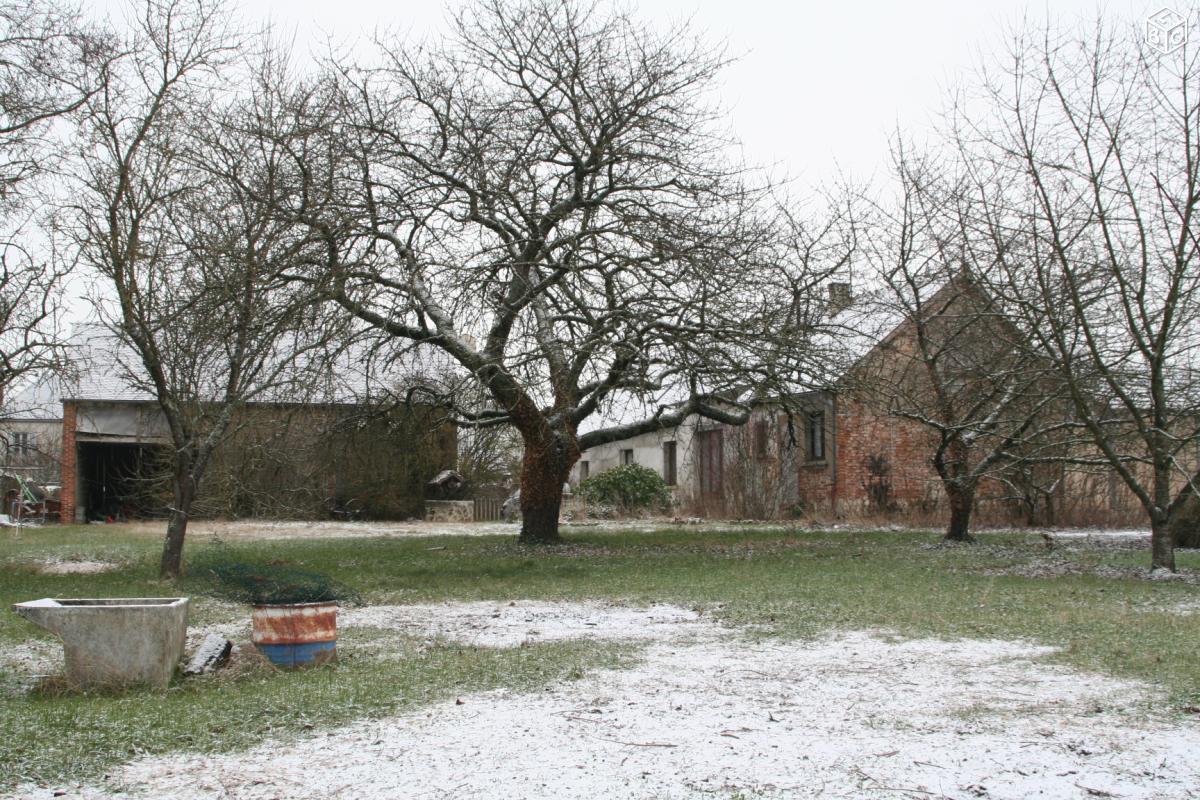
629 487
1185 523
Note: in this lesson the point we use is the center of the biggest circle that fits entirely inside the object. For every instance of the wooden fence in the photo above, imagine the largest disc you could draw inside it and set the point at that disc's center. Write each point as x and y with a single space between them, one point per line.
487 509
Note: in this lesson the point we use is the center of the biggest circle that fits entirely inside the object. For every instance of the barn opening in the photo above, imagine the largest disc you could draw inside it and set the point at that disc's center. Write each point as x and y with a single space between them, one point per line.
118 481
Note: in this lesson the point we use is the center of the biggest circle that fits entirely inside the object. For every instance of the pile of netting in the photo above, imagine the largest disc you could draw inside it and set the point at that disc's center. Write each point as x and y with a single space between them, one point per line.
271 584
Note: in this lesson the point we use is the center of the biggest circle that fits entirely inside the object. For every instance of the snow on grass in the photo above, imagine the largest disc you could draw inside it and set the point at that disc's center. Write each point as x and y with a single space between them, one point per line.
515 623
707 713
234 530
83 567
26 660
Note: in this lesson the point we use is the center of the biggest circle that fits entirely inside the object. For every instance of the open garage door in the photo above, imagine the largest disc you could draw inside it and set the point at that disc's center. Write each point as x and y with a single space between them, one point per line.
122 481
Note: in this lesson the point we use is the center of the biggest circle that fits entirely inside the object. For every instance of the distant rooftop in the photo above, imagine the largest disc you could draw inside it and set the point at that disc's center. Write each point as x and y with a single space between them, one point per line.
102 368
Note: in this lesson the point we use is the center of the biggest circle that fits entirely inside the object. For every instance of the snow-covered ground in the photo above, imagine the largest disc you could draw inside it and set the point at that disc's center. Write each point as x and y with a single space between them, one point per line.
484 624
327 529
710 713
82 567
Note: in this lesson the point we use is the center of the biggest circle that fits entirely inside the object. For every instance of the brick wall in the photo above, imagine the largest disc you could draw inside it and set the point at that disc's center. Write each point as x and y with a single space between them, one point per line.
69 472
881 462
883 455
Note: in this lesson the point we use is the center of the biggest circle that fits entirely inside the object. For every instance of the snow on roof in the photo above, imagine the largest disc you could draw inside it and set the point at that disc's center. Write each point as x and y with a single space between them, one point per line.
839 341
103 368
848 335
33 398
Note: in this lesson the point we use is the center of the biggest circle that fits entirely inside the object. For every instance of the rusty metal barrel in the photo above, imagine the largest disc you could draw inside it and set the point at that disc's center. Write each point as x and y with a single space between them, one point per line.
300 635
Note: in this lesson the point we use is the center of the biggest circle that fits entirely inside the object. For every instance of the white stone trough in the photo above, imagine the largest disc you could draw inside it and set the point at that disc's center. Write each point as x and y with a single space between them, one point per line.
115 642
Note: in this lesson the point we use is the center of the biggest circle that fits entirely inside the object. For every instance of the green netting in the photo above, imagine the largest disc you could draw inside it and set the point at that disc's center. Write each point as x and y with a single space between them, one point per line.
270 584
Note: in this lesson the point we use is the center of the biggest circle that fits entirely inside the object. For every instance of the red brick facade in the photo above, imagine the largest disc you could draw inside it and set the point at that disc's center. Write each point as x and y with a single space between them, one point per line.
69 472
877 463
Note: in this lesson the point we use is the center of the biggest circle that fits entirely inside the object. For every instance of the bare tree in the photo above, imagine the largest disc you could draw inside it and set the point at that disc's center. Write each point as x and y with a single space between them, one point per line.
1086 159
546 196
51 63
193 264
955 365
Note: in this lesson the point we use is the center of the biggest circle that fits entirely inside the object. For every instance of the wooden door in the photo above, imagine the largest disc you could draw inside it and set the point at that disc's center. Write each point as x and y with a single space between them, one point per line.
711 465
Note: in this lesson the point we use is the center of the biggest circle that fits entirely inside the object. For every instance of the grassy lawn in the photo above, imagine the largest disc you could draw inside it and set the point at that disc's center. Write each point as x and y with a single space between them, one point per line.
786 584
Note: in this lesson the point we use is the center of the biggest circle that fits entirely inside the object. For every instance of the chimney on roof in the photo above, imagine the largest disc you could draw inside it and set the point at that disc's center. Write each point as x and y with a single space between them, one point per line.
839 297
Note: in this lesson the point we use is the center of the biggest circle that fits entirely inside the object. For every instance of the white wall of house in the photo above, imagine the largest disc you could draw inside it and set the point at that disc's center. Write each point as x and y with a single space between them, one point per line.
647 451
757 479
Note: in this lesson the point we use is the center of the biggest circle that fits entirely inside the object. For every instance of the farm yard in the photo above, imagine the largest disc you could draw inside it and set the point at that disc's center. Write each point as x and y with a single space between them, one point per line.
633 660
566 398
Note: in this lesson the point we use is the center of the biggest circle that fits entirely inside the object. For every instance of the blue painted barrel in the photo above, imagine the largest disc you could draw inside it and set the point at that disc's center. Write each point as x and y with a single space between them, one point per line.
300 635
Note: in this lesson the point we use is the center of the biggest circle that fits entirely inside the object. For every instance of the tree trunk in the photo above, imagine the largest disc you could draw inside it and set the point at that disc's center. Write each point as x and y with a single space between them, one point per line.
1162 549
961 503
171 565
544 469
1162 546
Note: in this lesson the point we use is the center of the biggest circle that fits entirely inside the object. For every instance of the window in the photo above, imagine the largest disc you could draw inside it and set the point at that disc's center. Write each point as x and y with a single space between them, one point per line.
21 442
761 440
669 475
583 470
626 457
814 436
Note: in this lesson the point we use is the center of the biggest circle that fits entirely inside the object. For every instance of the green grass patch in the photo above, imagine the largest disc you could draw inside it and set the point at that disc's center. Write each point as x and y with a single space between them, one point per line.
1092 602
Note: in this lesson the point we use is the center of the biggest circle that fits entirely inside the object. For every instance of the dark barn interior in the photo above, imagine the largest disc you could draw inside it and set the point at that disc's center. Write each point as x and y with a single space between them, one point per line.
118 481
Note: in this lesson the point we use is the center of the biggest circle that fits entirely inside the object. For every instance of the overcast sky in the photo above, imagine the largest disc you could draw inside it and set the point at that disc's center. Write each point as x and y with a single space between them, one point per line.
818 84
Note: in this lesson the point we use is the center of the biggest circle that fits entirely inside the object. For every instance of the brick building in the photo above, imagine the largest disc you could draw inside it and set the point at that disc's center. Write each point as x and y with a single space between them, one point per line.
832 452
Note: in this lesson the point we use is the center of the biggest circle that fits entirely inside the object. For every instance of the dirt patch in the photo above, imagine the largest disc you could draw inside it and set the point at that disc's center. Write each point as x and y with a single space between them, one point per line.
709 714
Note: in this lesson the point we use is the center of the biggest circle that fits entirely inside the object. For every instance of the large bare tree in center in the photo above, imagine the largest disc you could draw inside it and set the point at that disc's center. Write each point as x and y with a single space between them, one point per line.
546 196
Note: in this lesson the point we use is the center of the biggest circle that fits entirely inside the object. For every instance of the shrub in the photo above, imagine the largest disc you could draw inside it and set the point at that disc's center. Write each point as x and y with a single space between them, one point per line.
629 487
1185 523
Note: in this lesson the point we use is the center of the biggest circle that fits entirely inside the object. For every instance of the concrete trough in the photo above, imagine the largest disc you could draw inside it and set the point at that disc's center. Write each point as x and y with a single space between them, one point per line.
115 642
